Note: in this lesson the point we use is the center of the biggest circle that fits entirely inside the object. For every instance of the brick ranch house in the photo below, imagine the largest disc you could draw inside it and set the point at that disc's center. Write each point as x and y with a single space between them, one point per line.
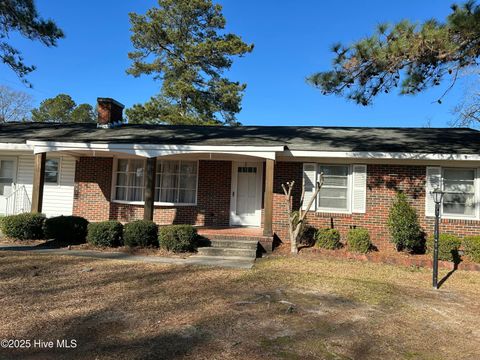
229 177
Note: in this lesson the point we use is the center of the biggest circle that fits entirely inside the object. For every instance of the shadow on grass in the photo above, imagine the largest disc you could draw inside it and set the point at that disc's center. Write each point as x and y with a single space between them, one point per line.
164 346
48 244
450 273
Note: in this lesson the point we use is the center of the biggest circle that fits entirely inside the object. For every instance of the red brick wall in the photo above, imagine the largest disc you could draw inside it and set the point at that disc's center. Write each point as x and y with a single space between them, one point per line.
93 186
383 181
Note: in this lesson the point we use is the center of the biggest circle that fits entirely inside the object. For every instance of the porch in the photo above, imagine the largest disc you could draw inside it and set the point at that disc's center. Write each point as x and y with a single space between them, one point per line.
227 195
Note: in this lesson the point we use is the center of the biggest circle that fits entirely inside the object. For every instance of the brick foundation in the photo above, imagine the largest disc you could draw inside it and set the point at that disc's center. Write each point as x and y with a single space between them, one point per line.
93 182
383 181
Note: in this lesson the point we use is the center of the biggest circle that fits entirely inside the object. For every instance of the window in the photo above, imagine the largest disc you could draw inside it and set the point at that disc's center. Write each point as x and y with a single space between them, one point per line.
459 188
176 182
334 192
247 169
51 171
7 170
129 180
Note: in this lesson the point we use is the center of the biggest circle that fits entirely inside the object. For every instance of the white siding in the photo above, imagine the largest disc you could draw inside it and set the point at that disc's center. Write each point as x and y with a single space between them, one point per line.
57 198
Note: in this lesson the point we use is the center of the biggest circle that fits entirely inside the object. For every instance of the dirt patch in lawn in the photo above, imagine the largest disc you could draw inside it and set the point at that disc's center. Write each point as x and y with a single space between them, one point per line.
285 308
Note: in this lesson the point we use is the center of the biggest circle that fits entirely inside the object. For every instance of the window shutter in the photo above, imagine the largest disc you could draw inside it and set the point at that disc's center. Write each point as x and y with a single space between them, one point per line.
433 181
359 186
309 183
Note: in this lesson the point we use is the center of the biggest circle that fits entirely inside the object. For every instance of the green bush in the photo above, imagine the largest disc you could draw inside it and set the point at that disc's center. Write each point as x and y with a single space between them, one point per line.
405 230
178 238
448 246
471 245
307 235
141 233
105 233
66 229
328 239
358 240
26 226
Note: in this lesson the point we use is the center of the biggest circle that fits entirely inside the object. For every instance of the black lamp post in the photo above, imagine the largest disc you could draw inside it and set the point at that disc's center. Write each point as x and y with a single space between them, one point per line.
437 198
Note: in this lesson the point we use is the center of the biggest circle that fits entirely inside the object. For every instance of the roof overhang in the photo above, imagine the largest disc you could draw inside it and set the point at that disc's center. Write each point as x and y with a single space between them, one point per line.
377 155
151 150
14 146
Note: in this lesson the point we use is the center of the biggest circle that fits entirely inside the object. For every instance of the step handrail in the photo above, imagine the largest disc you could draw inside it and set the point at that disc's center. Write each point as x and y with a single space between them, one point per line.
18 201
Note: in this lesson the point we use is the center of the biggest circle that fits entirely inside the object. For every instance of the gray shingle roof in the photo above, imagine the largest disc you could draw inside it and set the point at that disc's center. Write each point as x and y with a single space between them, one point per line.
419 140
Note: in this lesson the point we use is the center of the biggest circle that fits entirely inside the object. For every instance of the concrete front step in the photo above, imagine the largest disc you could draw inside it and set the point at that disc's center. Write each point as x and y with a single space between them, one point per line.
222 258
231 237
218 251
239 244
236 262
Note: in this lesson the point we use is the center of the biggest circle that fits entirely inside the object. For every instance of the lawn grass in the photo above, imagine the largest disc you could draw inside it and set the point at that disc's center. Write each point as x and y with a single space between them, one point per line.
285 308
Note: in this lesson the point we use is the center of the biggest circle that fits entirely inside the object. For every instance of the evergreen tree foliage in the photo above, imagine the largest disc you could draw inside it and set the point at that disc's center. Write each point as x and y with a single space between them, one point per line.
62 109
183 44
410 56
22 17
405 230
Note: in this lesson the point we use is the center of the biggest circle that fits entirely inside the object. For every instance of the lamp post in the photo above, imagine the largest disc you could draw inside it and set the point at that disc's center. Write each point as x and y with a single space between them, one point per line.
437 199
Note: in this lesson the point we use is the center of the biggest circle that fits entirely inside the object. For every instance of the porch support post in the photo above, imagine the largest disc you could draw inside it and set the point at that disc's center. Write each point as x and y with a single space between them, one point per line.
268 198
150 175
38 182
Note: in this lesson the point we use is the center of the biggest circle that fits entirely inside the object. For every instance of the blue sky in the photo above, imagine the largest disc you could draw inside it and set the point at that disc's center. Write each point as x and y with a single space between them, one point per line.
292 40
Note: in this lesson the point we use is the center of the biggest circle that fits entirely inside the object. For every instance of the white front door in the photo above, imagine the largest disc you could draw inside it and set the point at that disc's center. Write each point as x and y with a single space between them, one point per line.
246 196
7 179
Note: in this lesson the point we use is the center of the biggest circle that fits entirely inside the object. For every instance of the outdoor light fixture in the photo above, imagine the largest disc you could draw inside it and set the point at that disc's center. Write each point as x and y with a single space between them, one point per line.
437 195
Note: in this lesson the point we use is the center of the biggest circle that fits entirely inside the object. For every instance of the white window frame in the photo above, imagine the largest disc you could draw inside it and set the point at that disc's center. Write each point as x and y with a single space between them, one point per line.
160 203
476 184
59 161
156 203
348 210
15 167
114 182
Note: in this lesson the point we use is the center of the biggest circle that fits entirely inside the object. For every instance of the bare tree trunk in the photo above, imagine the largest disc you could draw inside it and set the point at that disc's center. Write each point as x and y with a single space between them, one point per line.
296 220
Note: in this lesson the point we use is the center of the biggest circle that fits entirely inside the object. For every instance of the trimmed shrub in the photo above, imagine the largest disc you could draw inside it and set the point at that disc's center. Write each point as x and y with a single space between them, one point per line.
105 233
358 240
405 230
66 229
141 233
307 235
448 245
178 238
471 245
328 239
26 226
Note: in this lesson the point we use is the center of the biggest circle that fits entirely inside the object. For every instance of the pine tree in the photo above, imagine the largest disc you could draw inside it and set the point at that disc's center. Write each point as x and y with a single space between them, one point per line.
63 109
406 55
21 16
183 44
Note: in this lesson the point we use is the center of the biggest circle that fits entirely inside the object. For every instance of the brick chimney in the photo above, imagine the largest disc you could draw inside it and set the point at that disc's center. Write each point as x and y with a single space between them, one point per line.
110 113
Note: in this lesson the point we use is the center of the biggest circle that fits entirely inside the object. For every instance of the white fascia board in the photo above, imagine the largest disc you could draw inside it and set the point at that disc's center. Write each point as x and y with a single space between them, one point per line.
98 146
13 146
378 155
148 150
